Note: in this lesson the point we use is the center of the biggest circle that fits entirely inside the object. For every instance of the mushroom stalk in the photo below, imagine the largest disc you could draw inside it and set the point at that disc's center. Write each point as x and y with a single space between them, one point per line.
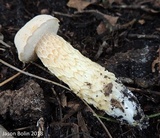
88 80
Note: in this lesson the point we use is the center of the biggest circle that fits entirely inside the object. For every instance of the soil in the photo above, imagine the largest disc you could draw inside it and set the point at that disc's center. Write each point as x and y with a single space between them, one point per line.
123 39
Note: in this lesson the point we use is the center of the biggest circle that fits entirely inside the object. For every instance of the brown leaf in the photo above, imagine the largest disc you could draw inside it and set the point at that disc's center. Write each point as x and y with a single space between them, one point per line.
75 131
158 29
111 19
79 4
82 125
74 107
142 21
63 100
101 28
156 3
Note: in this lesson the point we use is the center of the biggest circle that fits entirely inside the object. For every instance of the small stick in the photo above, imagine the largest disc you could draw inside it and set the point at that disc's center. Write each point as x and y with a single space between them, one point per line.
135 7
144 91
5 44
154 115
112 28
100 50
140 36
9 79
159 59
99 15
64 14
59 103
39 66
98 118
32 75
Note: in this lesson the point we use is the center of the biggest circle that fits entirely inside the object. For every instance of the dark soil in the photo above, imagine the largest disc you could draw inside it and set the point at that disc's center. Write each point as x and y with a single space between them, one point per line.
130 48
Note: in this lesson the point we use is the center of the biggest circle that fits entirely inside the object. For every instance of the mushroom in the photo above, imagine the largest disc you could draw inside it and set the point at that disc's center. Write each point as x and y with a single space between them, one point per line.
87 79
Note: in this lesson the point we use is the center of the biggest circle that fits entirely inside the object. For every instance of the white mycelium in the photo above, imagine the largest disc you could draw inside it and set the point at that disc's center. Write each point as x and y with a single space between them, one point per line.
86 79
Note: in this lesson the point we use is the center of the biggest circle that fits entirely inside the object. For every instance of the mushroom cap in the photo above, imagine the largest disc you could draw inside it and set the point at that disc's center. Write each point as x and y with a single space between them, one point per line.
28 36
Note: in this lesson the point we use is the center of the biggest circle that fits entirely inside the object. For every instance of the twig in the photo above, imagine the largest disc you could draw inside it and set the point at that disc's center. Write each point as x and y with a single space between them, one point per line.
72 111
5 44
9 79
39 66
2 49
1 40
118 27
125 26
59 103
159 59
144 91
64 14
154 115
134 7
108 119
32 75
24 128
99 15
141 36
100 50
129 6
108 133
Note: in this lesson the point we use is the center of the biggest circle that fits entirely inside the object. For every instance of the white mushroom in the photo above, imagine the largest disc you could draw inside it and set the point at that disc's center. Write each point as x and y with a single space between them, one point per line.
86 79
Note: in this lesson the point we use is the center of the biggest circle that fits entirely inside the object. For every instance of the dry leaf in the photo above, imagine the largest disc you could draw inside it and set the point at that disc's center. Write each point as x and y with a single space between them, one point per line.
141 21
82 125
75 131
2 42
158 29
80 4
63 100
101 28
111 19
156 3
